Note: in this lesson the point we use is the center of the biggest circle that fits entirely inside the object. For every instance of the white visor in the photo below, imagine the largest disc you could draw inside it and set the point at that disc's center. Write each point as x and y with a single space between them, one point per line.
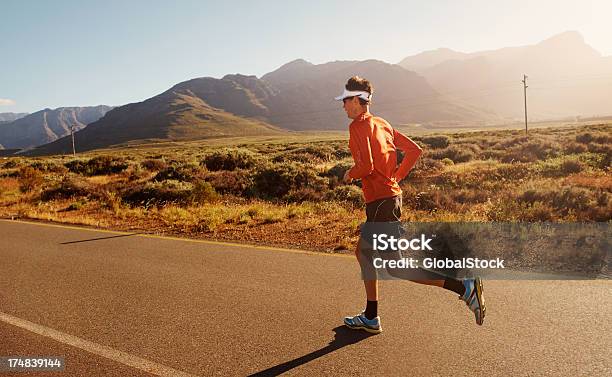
354 93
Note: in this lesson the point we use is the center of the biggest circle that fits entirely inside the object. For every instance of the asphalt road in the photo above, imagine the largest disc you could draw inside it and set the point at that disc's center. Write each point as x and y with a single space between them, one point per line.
120 304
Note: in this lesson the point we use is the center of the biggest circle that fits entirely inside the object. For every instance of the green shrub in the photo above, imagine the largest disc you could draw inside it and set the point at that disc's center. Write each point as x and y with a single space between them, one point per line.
275 181
11 164
564 200
185 173
587 137
305 194
454 152
154 164
574 148
492 154
533 151
69 187
559 167
238 182
204 192
29 179
308 154
169 191
100 165
436 142
76 205
571 167
339 170
346 193
229 159
599 148
469 196
505 144
48 166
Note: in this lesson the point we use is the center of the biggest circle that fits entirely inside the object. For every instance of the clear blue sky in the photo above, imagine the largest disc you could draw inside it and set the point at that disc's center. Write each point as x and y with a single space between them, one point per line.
78 53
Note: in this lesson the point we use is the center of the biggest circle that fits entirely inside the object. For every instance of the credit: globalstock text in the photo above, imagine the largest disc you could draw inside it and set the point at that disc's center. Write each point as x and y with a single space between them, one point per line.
384 242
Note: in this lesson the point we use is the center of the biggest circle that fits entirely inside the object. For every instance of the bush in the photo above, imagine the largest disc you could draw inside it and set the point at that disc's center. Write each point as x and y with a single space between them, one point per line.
48 166
454 152
318 153
425 167
587 137
203 192
169 191
599 148
229 159
305 194
571 167
29 179
338 170
469 196
11 164
533 151
567 199
185 173
513 172
68 188
572 198
100 165
238 182
574 148
277 180
347 193
154 164
436 142
559 167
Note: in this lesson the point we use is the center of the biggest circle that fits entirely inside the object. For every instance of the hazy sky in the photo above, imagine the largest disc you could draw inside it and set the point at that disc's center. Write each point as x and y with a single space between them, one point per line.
79 53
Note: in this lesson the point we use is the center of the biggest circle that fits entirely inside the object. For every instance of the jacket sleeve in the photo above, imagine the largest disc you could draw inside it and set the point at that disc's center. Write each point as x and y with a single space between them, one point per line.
359 143
411 150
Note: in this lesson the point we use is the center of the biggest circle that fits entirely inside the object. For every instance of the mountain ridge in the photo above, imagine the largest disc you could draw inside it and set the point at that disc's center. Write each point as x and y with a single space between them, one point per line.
48 125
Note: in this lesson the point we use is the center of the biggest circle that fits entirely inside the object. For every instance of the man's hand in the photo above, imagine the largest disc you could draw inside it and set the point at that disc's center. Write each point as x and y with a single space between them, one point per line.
346 178
394 176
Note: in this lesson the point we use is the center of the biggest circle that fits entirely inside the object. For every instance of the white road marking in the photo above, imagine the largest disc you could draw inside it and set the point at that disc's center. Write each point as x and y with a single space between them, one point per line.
97 349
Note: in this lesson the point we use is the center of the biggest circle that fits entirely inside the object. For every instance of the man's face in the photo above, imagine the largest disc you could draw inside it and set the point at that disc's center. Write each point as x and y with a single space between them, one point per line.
352 107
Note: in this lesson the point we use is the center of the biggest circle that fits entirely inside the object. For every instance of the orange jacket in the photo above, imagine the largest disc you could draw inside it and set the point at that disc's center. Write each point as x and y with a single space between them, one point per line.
374 144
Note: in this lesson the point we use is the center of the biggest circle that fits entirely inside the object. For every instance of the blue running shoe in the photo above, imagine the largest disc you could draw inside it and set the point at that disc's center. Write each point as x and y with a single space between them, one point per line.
474 299
360 322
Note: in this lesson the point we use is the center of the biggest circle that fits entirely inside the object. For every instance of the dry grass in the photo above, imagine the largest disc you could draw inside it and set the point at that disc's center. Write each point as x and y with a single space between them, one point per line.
287 192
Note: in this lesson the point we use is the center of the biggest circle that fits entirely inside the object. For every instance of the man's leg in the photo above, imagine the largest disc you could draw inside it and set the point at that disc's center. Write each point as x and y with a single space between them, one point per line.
469 290
368 320
371 285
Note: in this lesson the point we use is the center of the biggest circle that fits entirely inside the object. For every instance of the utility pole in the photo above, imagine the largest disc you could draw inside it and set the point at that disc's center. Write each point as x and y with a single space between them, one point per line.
72 134
525 97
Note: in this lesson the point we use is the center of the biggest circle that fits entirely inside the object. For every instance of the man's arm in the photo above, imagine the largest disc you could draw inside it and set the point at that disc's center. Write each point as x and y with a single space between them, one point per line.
412 152
359 143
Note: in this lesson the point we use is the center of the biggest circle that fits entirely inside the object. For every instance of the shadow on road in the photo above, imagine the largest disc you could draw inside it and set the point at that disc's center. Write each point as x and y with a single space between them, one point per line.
343 337
99 238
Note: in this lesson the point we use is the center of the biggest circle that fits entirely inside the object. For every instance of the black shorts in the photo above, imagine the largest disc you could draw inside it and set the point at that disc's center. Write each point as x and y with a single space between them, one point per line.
387 210
384 210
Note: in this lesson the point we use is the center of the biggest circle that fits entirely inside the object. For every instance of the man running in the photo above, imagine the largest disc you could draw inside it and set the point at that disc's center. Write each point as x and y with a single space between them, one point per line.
374 144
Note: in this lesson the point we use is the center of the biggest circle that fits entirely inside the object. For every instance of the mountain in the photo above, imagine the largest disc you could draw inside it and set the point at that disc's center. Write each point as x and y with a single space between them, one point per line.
188 111
566 77
307 90
10 117
297 96
430 58
47 125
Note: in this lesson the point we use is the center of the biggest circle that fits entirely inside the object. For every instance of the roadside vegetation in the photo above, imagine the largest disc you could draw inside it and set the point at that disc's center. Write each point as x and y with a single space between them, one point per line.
290 193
